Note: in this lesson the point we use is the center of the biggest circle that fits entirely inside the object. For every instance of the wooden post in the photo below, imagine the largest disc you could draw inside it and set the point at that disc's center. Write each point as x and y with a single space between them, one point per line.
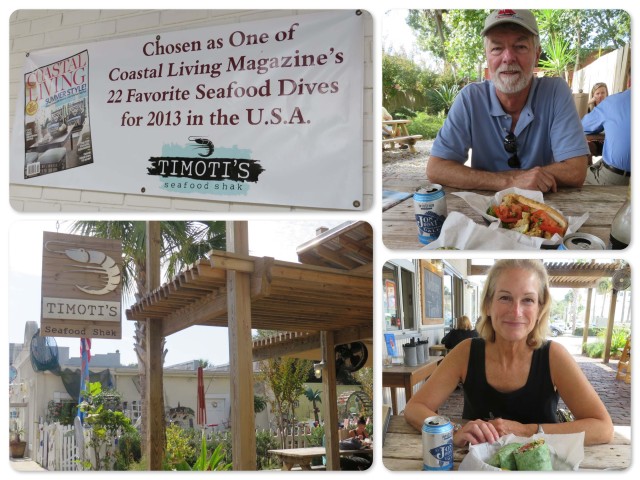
587 317
330 402
155 441
612 315
240 353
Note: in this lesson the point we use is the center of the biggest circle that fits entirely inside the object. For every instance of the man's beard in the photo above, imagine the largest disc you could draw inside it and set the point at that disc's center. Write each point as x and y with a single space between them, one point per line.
511 84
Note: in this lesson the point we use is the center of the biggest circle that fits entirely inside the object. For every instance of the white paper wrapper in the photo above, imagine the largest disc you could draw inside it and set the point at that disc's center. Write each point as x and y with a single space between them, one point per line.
462 233
481 203
567 451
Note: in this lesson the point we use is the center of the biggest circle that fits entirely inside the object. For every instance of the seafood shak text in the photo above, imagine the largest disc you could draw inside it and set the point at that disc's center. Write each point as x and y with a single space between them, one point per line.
235 169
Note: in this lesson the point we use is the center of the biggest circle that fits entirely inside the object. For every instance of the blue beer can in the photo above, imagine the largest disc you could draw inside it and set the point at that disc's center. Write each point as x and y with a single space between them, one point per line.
430 208
437 443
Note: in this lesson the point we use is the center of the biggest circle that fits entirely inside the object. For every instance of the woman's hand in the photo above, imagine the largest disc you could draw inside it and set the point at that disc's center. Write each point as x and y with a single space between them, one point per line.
474 432
505 427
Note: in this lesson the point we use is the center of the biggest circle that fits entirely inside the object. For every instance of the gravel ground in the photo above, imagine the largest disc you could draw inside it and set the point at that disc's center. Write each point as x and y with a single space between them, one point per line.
403 162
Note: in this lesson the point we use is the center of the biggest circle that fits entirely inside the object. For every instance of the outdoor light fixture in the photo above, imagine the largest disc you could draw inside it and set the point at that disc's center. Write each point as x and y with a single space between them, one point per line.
318 367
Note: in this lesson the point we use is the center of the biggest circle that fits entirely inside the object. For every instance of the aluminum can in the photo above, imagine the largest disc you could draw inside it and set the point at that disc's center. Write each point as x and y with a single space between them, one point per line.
437 443
430 208
581 241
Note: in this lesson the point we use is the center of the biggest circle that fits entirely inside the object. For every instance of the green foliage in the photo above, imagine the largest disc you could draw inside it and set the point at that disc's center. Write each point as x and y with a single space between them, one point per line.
179 450
619 336
402 75
426 125
593 331
265 441
259 403
594 349
285 377
443 97
63 412
403 113
203 463
316 436
105 423
618 340
129 450
559 57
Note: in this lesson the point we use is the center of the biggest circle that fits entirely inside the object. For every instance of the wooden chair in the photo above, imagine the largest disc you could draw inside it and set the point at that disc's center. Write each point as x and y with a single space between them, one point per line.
624 365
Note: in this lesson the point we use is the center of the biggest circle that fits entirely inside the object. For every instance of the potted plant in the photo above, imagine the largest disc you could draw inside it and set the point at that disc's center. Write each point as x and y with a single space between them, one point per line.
17 446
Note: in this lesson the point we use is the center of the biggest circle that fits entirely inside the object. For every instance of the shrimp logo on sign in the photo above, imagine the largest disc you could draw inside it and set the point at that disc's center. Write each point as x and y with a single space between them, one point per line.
88 262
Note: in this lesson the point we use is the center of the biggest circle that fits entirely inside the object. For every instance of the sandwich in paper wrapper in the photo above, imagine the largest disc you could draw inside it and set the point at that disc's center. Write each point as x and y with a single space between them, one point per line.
566 451
550 238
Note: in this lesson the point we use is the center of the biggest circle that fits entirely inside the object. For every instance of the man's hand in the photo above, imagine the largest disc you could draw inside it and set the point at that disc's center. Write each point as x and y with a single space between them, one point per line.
535 179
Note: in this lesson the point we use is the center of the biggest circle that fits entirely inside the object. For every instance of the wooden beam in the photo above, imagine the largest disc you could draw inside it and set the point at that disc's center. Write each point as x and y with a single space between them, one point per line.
612 315
330 406
240 354
293 345
155 438
587 317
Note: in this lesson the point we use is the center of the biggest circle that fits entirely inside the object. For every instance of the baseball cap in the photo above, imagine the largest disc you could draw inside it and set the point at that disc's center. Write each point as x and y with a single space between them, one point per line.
524 18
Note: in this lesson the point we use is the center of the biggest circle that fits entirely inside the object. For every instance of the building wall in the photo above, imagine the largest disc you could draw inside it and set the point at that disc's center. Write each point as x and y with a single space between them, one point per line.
38 29
34 390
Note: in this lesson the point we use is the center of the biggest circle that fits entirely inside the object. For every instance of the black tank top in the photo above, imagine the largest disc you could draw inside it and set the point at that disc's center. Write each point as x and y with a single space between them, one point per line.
535 402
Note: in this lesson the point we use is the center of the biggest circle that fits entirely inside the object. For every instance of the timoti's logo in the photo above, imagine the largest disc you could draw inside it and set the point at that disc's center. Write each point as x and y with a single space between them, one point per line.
203 166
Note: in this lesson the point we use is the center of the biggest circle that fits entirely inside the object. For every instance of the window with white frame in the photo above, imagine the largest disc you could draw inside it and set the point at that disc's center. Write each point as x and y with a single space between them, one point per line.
398 296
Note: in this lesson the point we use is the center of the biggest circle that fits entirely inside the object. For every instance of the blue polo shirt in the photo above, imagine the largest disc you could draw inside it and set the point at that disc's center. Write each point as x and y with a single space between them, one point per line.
613 115
547 131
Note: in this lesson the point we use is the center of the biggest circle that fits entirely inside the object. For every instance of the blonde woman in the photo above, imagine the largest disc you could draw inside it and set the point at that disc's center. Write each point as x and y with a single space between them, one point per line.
512 376
463 330
598 93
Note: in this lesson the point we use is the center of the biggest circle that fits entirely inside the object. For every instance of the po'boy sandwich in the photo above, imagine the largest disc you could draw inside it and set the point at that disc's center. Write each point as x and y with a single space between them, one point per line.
529 217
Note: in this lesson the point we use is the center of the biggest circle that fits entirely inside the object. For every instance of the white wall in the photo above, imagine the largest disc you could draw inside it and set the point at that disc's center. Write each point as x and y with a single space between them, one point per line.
37 29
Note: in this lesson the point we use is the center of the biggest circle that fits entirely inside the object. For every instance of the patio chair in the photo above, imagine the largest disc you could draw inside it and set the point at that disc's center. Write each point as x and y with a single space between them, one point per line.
624 365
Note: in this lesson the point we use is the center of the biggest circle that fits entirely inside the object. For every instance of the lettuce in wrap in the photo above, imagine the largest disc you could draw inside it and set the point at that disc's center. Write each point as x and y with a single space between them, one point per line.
533 456
503 458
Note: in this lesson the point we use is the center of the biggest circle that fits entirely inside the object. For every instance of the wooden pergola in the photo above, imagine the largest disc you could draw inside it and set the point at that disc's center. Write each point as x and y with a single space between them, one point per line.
576 275
317 305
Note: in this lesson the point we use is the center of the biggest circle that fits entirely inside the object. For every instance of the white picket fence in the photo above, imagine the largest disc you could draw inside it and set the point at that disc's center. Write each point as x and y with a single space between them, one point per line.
56 448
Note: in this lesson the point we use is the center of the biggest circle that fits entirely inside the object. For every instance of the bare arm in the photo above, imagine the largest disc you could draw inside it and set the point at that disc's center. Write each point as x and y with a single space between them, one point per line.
583 401
571 172
436 390
581 398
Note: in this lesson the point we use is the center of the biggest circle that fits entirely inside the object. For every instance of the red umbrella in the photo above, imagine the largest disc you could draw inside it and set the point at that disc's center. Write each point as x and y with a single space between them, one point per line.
202 409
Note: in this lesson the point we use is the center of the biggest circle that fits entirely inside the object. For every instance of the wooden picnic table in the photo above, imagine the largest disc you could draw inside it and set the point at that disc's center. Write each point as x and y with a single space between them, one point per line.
403 449
601 202
400 134
303 457
403 376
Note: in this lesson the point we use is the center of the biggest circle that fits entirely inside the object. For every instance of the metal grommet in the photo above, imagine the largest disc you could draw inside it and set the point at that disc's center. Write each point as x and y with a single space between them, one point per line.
356 203
142 190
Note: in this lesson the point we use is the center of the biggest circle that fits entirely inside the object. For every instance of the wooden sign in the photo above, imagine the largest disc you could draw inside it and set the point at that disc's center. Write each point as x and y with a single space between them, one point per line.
81 286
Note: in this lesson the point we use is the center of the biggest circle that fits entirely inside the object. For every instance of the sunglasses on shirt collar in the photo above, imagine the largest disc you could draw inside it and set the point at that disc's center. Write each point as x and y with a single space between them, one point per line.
510 144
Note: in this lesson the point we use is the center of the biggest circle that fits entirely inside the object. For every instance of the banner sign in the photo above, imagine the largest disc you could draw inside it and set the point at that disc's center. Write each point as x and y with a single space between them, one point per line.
81 287
267 112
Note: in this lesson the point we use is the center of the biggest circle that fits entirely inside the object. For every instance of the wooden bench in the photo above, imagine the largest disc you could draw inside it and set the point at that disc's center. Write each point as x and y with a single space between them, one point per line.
408 140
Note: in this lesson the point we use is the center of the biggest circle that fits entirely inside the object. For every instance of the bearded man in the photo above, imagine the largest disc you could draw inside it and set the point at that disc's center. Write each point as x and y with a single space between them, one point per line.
522 131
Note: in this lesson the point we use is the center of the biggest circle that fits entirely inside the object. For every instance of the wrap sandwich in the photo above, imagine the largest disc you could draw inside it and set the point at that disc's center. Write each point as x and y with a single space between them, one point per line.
503 458
533 456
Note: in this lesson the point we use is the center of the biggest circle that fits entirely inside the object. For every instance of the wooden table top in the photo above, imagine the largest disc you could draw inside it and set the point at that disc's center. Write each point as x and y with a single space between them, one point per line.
601 202
403 449
395 122
395 375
